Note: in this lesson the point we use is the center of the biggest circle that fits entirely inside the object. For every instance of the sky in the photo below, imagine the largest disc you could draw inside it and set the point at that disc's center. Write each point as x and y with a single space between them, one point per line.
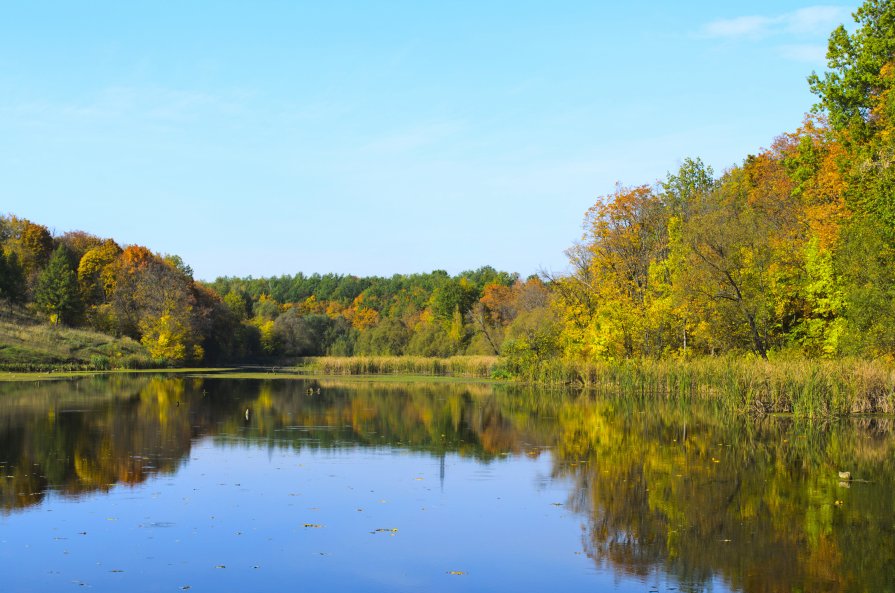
373 138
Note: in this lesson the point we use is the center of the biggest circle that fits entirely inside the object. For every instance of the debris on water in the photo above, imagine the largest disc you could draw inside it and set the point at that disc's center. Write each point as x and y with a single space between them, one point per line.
456 572
390 531
313 525
220 566
556 504
185 587
845 475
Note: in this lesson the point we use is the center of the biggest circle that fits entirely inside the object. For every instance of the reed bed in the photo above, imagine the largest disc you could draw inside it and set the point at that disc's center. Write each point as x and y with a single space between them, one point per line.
803 387
476 367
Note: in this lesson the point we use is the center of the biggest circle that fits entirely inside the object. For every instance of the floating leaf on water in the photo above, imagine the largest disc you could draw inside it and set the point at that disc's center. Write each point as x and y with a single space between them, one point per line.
391 530
313 525
220 566
456 572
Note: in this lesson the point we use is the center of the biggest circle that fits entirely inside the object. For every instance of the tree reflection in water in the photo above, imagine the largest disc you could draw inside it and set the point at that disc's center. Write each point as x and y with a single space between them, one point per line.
662 485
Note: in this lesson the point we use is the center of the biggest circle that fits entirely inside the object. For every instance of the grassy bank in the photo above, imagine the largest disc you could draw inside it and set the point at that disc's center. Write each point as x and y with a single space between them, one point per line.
26 346
476 367
807 388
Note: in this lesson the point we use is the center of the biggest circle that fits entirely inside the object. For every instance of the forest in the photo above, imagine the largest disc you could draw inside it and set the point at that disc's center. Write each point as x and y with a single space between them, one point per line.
791 252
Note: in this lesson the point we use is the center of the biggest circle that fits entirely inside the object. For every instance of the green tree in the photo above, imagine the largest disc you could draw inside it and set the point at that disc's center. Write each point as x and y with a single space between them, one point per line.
12 279
854 91
57 292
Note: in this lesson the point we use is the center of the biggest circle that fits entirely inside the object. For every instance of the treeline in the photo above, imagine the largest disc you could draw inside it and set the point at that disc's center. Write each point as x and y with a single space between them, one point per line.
433 314
793 250
81 280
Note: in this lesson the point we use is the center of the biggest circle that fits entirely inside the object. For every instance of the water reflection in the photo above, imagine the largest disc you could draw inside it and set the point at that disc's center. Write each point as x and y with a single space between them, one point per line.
81 436
678 489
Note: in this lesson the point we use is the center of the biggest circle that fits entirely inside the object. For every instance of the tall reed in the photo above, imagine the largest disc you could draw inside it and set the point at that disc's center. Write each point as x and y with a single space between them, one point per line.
804 387
478 367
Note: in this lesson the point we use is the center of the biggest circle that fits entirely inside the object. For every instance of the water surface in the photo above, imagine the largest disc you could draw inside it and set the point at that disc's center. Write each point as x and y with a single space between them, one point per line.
154 483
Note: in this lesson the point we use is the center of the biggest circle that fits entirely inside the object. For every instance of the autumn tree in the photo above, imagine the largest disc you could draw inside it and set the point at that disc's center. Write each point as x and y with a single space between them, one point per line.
96 272
740 252
856 94
625 233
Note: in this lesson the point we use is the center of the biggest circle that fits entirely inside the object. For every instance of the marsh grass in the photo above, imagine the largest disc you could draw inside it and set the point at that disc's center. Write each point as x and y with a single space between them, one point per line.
802 387
476 367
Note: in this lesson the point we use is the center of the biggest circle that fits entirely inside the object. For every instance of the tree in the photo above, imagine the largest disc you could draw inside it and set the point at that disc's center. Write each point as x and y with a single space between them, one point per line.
857 96
95 273
57 292
12 279
855 92
625 234
741 259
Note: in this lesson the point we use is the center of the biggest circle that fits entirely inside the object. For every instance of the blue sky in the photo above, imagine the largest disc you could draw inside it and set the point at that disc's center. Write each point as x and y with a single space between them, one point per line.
269 137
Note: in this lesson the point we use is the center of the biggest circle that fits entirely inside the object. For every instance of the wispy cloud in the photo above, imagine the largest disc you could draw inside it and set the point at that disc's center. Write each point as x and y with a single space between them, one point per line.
741 26
804 52
814 20
808 21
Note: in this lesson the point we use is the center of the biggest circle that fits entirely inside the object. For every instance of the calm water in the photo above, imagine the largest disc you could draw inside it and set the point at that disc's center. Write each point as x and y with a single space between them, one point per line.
152 483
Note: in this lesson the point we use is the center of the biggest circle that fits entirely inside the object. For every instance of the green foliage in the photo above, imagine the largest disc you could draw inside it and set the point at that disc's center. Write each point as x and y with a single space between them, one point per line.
12 278
850 91
57 292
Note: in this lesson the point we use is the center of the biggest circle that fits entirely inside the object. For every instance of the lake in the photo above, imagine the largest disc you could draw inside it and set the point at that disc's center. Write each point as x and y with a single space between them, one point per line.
172 483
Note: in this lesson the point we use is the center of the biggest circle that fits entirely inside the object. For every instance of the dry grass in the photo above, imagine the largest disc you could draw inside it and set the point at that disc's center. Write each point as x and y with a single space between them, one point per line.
479 367
804 387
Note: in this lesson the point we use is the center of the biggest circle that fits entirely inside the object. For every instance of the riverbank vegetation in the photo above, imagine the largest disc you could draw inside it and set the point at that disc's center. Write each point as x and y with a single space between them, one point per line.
693 282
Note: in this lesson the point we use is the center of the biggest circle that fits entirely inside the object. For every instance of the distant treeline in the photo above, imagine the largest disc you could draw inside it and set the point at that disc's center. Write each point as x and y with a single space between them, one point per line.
80 280
432 314
790 252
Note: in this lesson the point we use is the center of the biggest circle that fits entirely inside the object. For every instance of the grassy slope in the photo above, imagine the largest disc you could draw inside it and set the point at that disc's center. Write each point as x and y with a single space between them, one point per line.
28 345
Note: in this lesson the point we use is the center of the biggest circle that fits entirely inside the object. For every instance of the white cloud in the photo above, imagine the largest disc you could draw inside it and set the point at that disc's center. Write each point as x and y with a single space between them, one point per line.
741 26
814 20
808 21
804 52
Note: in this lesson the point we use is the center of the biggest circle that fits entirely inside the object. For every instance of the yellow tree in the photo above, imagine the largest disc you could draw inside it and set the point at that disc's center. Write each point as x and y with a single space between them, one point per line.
744 245
624 235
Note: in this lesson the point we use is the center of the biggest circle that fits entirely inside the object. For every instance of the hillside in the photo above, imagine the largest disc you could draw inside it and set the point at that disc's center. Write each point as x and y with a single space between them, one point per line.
27 345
